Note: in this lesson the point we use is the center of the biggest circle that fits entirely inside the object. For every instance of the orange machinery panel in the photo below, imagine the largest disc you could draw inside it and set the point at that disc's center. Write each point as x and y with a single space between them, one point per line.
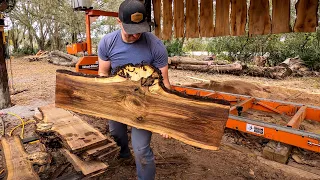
77 47
88 65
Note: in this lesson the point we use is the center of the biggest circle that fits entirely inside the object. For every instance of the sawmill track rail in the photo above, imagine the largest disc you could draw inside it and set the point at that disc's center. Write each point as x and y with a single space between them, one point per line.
288 134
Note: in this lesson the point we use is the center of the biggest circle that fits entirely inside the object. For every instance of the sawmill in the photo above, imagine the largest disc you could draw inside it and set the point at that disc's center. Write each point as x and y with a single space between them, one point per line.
138 97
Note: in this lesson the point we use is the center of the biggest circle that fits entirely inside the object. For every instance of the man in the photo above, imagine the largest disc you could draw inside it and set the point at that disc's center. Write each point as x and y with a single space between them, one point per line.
133 44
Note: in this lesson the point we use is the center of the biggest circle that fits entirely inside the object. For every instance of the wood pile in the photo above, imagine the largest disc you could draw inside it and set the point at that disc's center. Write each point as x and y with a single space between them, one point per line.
62 59
84 146
19 163
38 57
137 97
290 67
55 57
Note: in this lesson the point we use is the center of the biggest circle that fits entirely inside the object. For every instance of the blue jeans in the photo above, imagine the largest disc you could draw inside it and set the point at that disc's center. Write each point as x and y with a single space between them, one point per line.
144 158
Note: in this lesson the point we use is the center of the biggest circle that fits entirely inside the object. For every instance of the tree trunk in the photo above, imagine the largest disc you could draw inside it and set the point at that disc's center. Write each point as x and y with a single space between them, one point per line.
186 60
5 101
231 68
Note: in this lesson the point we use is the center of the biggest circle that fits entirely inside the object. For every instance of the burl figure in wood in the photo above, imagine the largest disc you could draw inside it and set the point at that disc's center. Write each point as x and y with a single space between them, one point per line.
137 97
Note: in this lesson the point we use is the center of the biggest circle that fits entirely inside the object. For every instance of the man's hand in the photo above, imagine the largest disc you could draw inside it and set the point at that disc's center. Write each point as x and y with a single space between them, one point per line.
165 136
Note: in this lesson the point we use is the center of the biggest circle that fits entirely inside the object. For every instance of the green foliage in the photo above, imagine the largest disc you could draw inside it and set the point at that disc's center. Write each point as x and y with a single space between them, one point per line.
194 45
27 50
277 47
174 47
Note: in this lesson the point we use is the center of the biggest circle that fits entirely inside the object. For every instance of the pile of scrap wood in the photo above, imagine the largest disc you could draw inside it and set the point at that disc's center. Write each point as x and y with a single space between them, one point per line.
290 67
55 57
62 59
85 147
38 57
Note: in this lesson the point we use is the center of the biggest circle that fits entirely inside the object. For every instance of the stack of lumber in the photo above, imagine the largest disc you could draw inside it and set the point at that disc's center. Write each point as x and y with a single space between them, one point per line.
136 96
84 146
19 163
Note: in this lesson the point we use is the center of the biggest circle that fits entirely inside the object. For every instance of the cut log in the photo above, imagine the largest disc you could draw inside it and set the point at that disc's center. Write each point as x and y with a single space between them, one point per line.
76 135
88 168
234 68
137 97
276 72
186 60
68 57
18 161
259 61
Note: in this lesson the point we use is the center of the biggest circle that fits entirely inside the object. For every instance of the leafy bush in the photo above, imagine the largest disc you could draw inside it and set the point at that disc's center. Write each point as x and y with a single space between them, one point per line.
174 47
24 51
194 45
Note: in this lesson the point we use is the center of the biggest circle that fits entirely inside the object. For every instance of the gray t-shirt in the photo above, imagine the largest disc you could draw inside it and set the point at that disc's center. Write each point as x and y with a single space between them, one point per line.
147 50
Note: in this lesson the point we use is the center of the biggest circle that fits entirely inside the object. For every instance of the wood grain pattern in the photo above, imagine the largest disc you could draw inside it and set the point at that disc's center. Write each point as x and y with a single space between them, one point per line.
88 168
280 16
206 18
76 134
167 19
192 26
157 16
16 158
259 18
143 102
238 17
307 17
222 27
178 18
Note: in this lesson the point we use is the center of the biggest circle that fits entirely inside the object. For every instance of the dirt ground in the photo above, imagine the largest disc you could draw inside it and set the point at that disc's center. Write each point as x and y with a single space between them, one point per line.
239 156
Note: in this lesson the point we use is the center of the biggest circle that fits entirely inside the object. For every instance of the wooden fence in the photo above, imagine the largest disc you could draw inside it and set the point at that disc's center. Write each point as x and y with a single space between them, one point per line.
188 18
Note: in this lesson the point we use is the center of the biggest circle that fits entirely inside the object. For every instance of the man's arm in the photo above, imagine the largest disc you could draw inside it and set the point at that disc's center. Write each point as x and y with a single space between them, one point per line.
164 72
104 68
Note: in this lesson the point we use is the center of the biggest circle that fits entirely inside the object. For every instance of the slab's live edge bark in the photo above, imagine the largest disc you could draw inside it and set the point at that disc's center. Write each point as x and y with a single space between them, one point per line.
136 96
18 162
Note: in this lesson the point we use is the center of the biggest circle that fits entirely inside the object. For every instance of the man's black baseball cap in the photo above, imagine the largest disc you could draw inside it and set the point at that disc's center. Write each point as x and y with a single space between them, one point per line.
132 14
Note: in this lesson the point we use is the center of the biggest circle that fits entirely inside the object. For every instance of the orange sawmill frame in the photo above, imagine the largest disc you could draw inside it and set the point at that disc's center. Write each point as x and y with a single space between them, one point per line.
289 134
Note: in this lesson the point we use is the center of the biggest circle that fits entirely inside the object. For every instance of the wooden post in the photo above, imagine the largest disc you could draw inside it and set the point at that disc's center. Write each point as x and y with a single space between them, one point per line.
4 88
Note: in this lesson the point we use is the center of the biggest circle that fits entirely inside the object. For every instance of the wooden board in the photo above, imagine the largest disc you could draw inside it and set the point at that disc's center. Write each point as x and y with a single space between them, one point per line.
87 168
91 154
157 16
17 164
206 18
178 18
222 27
167 19
259 18
192 27
238 17
307 17
280 16
143 102
76 134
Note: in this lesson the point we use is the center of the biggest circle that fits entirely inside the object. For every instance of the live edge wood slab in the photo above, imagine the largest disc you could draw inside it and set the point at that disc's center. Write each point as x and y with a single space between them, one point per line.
137 97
